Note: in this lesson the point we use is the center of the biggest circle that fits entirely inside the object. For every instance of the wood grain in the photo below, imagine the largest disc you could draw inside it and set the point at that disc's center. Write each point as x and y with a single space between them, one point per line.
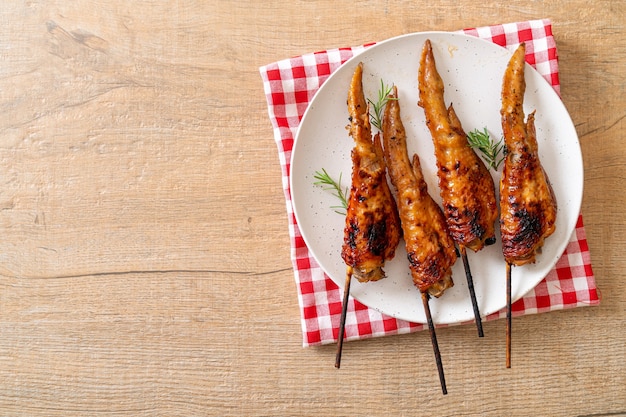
145 263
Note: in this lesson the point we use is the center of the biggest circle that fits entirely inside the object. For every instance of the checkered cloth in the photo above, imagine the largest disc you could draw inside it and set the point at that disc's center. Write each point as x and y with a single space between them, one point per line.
289 86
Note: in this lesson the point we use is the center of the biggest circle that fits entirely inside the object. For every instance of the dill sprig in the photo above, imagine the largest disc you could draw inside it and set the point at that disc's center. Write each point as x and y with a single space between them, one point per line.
490 149
328 183
376 109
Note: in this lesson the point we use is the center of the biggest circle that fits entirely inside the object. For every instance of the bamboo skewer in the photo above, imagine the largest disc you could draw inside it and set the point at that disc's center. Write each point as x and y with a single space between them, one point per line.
342 323
508 315
433 339
470 286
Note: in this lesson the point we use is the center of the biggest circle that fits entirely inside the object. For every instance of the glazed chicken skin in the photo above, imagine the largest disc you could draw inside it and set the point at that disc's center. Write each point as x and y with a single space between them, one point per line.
527 202
466 187
429 247
372 230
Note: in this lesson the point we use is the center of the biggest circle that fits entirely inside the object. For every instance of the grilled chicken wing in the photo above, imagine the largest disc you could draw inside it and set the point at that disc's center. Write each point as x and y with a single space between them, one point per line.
527 202
372 230
429 247
466 186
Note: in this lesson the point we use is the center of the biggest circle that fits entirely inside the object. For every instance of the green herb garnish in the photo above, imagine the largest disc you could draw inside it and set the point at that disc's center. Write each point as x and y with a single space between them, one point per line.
376 109
324 180
491 150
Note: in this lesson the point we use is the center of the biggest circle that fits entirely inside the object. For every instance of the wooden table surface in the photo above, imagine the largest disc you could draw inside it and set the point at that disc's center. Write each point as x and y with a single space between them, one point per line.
144 253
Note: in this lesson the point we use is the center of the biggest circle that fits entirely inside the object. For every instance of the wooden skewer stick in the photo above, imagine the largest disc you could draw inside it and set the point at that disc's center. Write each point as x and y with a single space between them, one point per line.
342 323
433 339
470 286
508 315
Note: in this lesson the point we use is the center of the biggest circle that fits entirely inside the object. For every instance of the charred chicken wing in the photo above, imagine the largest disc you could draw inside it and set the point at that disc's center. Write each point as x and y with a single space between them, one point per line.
429 247
527 202
372 231
466 186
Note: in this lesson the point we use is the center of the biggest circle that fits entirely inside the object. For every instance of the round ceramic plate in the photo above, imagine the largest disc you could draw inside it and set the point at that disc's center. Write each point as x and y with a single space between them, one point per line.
472 71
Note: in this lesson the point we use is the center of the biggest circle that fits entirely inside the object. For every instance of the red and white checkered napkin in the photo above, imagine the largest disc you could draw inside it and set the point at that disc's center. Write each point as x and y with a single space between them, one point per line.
289 86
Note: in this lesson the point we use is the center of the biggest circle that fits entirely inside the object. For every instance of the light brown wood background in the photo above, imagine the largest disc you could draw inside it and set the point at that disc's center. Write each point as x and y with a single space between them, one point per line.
144 251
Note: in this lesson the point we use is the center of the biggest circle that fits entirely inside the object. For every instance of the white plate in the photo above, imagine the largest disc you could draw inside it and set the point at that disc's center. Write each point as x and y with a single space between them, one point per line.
472 71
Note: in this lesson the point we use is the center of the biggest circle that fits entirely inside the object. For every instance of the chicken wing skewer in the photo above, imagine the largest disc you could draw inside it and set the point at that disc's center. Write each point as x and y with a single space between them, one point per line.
466 186
429 247
527 203
372 229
